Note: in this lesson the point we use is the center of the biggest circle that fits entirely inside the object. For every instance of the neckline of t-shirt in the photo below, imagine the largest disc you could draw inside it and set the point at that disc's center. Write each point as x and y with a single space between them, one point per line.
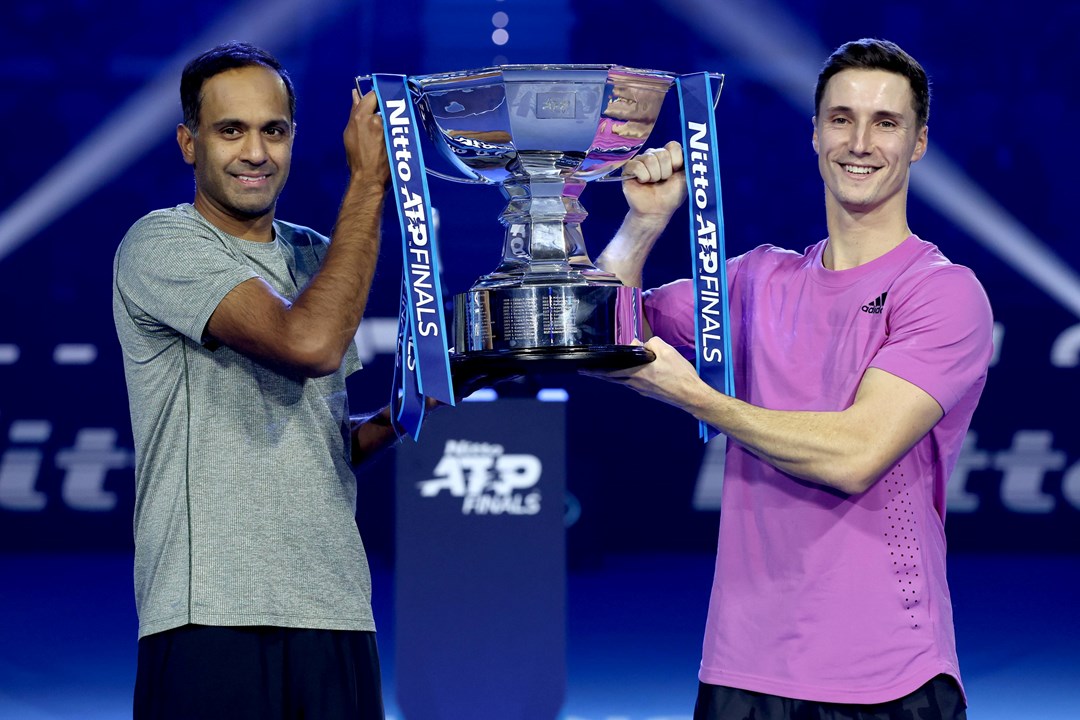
850 276
252 246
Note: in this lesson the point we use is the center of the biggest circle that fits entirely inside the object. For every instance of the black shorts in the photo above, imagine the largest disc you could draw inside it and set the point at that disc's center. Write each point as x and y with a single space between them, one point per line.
939 699
261 673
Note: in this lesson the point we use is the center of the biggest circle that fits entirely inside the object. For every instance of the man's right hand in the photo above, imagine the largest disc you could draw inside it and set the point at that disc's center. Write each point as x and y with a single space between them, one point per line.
365 146
655 186
658 186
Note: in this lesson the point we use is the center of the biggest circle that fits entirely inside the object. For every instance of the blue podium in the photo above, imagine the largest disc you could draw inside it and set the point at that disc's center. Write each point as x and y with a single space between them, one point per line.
480 569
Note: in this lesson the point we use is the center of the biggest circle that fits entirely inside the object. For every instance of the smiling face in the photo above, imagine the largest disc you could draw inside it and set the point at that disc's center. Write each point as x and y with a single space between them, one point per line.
242 150
866 136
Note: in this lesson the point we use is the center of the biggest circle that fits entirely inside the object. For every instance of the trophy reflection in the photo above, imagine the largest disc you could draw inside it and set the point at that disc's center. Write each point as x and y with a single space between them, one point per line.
540 133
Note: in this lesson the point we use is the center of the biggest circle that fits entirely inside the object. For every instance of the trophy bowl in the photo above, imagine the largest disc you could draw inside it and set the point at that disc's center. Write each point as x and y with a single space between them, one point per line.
540 133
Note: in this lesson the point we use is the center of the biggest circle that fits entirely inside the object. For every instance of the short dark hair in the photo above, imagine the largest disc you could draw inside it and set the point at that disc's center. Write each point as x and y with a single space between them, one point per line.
216 60
874 54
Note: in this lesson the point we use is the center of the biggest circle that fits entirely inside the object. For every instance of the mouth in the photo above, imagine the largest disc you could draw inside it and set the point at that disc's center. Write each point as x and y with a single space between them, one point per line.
859 170
253 180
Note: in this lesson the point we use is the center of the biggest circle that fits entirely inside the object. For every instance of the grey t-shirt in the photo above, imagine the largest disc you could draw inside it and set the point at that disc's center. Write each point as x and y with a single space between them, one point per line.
245 495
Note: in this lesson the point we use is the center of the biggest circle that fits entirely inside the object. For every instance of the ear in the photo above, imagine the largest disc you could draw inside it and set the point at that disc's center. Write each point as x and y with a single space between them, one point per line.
813 139
186 140
920 144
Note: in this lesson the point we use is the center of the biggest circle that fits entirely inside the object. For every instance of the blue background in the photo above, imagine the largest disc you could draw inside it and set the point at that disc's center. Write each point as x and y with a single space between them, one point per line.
89 103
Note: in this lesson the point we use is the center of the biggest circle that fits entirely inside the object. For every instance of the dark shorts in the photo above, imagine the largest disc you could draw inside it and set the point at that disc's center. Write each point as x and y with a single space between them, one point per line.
261 673
939 699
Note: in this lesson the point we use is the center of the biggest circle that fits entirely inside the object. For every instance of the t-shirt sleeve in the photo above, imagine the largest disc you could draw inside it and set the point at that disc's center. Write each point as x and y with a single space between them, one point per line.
669 310
172 272
940 335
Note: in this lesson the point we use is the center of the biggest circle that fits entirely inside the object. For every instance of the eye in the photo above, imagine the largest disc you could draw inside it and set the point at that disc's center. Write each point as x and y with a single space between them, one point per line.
230 131
839 120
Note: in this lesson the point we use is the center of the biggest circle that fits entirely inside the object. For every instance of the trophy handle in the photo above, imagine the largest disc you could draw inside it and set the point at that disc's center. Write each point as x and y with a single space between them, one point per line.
719 77
613 177
361 79
452 178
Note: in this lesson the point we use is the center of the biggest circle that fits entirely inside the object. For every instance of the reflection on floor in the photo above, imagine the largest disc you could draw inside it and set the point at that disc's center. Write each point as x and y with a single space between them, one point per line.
634 632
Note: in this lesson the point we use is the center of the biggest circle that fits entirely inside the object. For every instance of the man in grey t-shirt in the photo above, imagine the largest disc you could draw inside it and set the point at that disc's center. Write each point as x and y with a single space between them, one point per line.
251 582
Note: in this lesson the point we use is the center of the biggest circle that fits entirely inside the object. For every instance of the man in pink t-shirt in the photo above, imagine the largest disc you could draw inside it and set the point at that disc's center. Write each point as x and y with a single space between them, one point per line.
858 364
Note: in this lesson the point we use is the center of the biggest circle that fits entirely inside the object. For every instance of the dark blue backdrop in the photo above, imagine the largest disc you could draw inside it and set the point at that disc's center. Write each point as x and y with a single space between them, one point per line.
89 106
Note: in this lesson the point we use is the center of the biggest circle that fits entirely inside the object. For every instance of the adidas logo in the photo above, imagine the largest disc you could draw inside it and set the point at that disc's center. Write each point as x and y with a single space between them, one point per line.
874 307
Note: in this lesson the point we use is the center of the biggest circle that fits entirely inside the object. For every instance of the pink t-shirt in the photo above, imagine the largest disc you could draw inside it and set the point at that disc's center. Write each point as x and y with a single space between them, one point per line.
819 595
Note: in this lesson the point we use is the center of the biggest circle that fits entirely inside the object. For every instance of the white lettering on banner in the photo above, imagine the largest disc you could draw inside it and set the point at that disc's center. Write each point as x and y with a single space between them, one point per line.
420 269
708 245
400 127
86 465
706 237
699 156
376 336
488 480
94 455
710 314
957 497
1023 468
21 465
19 470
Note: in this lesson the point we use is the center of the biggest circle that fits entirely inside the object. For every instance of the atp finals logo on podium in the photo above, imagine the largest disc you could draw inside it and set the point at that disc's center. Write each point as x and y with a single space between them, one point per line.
487 479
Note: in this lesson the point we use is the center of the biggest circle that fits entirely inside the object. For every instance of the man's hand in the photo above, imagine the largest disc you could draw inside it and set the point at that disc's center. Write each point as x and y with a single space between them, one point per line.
655 186
365 146
670 378
658 186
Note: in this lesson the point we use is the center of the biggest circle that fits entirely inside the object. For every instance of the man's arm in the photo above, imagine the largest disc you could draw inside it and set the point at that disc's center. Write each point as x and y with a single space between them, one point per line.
655 193
847 450
311 334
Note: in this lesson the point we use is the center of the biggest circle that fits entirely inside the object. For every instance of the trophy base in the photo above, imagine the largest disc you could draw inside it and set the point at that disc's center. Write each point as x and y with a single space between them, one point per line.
547 360
508 332
547 321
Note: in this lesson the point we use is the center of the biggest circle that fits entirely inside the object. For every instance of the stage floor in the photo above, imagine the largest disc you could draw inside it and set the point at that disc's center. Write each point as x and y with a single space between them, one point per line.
67 647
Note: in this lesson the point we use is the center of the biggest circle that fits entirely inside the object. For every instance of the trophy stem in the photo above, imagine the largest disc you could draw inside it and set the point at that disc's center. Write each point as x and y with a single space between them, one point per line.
543 242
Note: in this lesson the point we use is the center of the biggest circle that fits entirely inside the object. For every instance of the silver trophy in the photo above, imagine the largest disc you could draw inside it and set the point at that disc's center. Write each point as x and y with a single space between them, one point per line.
540 133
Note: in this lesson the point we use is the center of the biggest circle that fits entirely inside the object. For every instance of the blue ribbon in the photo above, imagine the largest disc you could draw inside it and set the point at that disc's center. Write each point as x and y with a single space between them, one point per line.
407 401
423 364
712 320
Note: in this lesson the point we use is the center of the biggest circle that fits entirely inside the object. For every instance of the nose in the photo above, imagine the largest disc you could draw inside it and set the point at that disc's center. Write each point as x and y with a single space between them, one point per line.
862 139
254 149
